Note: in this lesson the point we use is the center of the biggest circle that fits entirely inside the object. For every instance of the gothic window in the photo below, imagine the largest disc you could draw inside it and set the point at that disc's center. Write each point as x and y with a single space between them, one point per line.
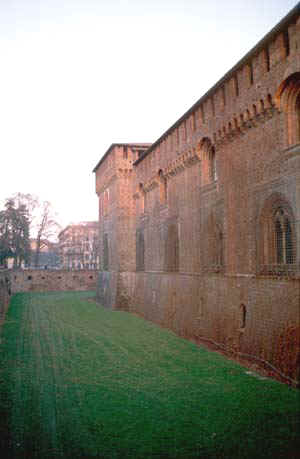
277 240
283 238
208 161
288 100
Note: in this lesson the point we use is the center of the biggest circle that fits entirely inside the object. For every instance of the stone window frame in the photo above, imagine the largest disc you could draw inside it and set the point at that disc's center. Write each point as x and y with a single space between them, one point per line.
277 248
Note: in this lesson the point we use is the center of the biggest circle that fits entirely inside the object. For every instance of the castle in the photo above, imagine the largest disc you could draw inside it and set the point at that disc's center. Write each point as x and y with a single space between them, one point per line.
200 231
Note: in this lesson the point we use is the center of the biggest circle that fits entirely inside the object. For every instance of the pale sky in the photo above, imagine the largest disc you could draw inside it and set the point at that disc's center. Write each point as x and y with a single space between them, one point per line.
78 75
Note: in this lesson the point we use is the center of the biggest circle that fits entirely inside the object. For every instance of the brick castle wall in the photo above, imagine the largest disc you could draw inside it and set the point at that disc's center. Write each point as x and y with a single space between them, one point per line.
194 223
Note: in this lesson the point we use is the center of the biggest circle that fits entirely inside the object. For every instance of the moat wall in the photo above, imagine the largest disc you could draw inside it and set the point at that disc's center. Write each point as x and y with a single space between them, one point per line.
256 316
46 280
34 280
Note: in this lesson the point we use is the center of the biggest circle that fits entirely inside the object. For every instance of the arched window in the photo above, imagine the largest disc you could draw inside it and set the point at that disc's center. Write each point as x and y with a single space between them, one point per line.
208 161
277 236
283 238
288 100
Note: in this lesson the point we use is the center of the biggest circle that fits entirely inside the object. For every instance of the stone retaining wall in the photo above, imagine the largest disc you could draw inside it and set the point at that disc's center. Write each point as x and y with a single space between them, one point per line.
32 280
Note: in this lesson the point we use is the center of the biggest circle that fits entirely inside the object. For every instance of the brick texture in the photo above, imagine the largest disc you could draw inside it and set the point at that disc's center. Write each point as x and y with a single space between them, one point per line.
205 198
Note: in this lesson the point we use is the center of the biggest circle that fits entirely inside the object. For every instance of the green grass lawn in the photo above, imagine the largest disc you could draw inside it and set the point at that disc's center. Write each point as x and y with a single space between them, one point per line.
80 381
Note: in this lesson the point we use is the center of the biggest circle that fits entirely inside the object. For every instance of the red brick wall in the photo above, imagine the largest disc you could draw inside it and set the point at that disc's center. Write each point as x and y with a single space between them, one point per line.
245 120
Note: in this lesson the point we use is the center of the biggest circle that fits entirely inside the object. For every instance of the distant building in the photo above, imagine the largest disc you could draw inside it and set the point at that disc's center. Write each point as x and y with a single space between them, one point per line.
48 254
78 246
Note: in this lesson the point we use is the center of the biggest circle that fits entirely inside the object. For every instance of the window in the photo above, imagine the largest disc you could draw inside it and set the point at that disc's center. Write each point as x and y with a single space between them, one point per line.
287 99
277 240
208 161
283 238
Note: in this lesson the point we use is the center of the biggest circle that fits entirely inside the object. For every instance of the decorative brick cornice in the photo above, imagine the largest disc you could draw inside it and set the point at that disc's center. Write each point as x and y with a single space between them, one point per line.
250 118
187 159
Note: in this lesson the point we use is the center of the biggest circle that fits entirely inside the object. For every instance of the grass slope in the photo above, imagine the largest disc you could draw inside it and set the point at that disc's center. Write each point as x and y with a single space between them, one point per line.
80 381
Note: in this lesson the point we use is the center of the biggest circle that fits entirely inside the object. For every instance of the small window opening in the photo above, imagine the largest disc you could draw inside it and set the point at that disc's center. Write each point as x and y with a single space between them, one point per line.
283 238
29 278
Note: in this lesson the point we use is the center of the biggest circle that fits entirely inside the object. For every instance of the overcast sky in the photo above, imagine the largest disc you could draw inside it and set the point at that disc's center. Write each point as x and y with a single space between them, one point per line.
78 75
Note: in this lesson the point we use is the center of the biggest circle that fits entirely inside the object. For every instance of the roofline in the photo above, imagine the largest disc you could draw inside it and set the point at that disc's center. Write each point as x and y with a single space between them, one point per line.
81 224
258 47
119 145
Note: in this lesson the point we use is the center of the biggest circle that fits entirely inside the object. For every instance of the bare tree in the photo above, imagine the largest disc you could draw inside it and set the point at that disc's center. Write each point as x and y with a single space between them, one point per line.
42 220
46 227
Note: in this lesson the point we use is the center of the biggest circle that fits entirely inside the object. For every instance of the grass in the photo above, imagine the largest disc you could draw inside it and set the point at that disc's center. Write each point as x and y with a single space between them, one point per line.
80 381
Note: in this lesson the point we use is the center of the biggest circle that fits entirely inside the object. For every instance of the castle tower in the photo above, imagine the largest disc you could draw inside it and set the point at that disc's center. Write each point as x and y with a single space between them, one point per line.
114 187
